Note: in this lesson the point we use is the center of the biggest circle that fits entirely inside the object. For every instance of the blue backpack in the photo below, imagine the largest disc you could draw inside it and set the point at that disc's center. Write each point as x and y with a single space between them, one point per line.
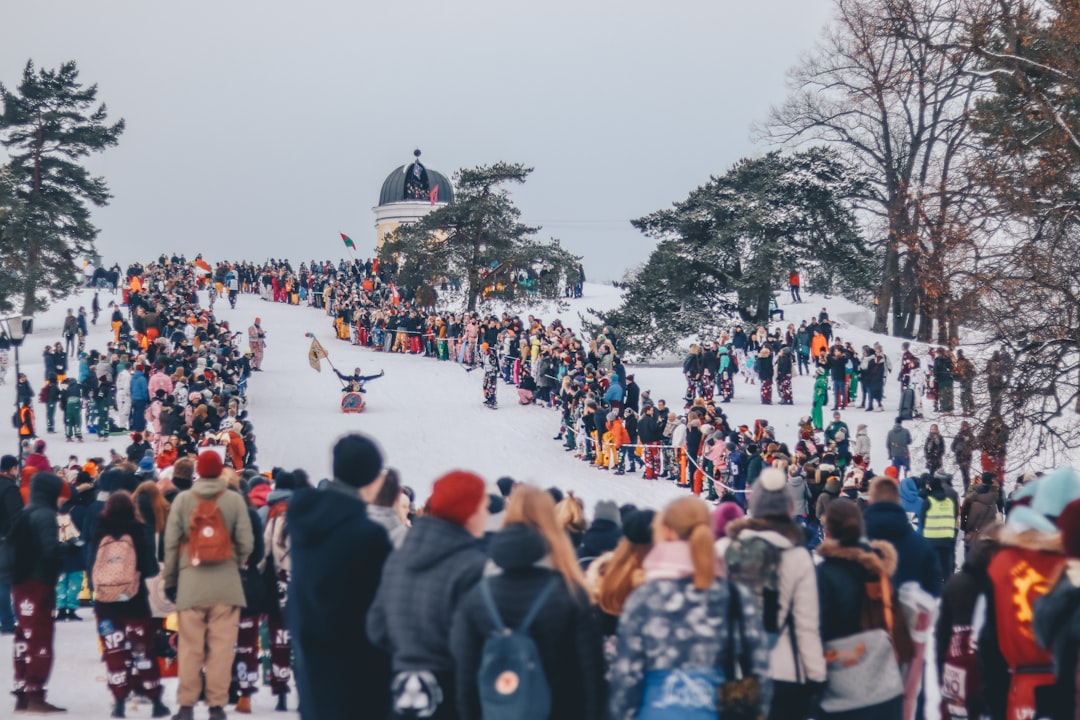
511 679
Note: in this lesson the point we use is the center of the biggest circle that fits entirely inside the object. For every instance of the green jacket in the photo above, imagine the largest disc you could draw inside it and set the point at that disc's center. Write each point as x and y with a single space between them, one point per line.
207 585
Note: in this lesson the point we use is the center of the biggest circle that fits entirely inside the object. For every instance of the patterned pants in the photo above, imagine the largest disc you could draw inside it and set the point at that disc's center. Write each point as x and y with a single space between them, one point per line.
130 656
68 587
651 456
727 388
33 644
766 391
784 388
280 655
693 387
708 383
245 667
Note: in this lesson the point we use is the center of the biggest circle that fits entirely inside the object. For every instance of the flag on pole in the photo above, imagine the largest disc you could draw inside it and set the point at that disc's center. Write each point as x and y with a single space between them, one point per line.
316 353
434 195
348 241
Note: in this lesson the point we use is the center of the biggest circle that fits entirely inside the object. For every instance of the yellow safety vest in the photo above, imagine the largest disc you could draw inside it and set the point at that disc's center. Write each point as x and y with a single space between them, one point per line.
940 520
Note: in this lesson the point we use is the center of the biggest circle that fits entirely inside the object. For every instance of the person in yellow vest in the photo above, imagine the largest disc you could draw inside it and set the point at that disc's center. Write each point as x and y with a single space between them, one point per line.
939 520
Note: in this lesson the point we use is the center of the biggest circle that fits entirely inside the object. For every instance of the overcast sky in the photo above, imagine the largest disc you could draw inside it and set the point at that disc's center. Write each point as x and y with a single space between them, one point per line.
262 129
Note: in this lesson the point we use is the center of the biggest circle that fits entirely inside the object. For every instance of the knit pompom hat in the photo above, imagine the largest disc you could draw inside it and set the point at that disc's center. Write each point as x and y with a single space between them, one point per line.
770 497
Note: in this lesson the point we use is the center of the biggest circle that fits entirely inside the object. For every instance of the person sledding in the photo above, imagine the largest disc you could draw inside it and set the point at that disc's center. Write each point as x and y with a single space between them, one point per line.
355 382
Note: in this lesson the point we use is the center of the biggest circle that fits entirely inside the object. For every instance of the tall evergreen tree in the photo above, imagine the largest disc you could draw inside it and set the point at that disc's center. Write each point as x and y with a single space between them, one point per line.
479 240
723 250
9 206
49 123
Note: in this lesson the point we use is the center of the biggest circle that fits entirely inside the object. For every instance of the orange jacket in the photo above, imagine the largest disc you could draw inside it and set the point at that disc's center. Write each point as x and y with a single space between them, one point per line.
236 450
619 436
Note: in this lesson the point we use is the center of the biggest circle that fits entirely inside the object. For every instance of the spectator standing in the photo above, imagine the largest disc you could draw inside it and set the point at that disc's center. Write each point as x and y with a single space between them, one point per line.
337 558
422 583
208 595
39 558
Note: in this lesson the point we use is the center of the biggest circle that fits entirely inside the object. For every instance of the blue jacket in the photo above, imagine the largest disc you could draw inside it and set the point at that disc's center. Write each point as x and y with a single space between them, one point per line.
911 500
614 392
140 387
917 560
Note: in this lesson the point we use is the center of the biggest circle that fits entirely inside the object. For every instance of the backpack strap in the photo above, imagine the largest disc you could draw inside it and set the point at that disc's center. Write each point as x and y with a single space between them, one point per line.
489 603
537 605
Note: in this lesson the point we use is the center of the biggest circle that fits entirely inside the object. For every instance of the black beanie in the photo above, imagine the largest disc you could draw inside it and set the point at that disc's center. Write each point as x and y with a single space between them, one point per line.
357 460
505 485
638 527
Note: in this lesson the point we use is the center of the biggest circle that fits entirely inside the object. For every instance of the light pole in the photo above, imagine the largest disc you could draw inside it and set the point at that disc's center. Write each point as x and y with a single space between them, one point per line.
17 328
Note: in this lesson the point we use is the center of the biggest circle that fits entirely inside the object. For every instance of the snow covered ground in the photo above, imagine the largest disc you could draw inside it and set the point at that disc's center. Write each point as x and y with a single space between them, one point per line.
428 417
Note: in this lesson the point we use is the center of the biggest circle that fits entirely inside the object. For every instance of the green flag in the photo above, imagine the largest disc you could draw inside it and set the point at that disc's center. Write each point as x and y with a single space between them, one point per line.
348 241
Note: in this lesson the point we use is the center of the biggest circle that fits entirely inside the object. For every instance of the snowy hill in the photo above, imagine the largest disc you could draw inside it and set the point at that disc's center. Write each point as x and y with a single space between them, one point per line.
428 417
428 414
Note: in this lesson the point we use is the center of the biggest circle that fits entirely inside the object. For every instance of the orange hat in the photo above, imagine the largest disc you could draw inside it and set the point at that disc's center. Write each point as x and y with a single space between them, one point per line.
456 496
892 472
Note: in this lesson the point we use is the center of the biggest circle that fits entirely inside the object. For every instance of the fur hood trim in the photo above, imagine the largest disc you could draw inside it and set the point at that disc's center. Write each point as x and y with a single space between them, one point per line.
788 531
1036 540
881 558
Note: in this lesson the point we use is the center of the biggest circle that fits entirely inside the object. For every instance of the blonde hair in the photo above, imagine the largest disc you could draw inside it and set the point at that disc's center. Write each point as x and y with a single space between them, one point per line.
570 512
157 501
622 573
535 508
689 519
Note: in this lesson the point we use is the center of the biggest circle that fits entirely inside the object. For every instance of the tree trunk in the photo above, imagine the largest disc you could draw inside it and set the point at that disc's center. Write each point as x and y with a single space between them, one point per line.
885 291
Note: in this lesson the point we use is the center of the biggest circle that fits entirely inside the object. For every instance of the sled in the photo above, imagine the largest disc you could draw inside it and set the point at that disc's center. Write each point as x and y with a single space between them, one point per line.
352 402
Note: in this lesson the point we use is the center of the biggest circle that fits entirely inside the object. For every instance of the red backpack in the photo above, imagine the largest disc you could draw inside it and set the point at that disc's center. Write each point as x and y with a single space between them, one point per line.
209 541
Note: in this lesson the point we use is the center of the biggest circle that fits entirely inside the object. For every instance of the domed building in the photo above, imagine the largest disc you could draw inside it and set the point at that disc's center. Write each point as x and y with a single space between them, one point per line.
409 193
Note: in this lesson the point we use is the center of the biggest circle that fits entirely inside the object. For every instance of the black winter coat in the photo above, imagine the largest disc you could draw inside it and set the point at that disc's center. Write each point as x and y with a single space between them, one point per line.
601 537
41 543
338 556
649 430
422 583
10 502
566 630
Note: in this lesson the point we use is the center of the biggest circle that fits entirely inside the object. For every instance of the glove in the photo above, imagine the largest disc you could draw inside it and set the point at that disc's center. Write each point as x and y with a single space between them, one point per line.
170 593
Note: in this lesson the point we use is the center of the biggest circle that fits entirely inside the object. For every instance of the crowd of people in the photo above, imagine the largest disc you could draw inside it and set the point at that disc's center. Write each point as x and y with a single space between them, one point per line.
808 589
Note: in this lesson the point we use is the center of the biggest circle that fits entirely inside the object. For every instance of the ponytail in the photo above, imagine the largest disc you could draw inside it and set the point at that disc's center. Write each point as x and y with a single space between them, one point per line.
703 555
688 518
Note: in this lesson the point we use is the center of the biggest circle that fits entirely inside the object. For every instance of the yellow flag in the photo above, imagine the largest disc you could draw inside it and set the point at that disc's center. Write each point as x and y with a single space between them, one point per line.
315 354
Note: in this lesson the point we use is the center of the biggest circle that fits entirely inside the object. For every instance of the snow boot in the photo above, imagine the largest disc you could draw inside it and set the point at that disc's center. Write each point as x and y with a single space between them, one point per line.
217 713
118 708
159 710
36 705
186 712
282 703
21 702
243 705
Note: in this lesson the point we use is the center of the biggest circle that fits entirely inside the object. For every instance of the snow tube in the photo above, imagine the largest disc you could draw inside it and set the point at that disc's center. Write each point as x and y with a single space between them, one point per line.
352 402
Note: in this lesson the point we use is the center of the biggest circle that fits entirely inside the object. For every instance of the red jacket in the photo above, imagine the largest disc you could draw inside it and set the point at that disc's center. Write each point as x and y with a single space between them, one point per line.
1021 573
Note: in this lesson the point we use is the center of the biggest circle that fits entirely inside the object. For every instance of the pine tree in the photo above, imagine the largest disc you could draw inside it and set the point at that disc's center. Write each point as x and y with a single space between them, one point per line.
722 251
478 239
49 123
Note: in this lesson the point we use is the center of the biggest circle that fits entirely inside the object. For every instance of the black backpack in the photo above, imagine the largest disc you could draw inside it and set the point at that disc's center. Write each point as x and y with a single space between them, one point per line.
511 678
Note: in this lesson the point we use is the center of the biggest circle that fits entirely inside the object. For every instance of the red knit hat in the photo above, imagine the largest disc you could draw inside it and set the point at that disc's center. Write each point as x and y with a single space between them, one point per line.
456 496
892 472
209 464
